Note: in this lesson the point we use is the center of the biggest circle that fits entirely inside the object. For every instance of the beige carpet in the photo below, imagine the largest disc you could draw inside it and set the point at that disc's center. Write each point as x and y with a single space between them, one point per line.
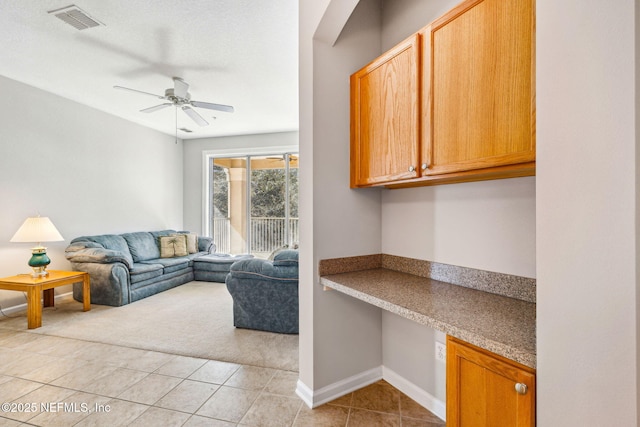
194 319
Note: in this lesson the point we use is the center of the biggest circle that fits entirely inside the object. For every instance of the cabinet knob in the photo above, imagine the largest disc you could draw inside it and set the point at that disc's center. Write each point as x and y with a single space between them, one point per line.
521 388
424 166
412 168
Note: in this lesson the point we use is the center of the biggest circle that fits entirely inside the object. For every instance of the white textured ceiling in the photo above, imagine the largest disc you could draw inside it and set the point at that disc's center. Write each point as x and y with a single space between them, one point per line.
242 53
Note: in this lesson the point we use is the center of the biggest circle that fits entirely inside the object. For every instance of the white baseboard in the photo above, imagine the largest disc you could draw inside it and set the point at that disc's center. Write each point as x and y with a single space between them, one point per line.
333 391
304 393
22 307
425 399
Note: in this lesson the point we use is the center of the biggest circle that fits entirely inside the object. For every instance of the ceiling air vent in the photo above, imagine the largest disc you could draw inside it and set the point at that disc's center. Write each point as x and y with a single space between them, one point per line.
76 17
186 130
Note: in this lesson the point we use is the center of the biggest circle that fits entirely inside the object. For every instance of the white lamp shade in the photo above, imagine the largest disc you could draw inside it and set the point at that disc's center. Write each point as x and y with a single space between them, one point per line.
37 229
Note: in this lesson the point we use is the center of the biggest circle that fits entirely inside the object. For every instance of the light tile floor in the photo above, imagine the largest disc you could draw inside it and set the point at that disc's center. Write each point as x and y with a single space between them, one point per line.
52 381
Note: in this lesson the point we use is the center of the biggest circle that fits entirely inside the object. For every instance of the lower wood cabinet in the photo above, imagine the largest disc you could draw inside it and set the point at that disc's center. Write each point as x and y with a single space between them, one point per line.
484 389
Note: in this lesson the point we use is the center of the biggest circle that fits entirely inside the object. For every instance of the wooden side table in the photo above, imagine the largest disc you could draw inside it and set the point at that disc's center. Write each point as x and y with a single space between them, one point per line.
34 287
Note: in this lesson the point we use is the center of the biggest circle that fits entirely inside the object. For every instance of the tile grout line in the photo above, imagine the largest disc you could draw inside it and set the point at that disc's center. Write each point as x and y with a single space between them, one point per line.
157 364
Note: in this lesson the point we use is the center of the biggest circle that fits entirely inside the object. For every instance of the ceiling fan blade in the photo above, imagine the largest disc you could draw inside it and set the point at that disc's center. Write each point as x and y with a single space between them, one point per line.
156 107
139 91
195 116
180 87
210 106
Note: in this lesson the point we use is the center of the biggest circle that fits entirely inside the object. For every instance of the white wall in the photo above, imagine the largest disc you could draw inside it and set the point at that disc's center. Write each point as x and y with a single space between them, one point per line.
340 336
587 213
310 14
90 172
194 179
408 350
401 18
487 225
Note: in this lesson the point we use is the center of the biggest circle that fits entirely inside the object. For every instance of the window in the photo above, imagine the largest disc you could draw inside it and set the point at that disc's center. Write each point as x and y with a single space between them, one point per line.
253 203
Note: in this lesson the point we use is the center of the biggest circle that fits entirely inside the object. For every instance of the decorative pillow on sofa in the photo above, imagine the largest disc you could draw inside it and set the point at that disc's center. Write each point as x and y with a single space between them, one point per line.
172 246
192 241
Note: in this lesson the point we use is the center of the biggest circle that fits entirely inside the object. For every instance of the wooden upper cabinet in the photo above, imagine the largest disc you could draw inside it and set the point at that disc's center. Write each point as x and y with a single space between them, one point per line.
385 117
479 100
455 102
487 390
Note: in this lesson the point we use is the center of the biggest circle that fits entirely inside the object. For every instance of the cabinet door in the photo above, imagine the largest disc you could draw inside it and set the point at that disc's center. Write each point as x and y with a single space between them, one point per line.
480 96
385 117
481 389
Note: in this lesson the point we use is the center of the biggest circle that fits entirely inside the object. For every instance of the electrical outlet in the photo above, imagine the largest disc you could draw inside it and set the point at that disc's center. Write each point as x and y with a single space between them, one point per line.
441 352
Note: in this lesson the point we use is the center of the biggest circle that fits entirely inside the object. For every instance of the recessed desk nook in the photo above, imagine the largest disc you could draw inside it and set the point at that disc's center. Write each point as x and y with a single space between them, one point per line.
499 315
493 312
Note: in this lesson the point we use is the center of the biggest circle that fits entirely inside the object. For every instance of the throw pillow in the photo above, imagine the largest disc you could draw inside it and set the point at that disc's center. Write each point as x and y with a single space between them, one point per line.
192 241
172 246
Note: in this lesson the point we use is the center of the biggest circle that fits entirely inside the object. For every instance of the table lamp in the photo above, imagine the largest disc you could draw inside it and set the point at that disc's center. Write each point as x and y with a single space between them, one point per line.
37 230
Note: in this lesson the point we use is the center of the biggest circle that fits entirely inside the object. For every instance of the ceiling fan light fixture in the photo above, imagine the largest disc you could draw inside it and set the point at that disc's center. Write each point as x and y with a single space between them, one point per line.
76 17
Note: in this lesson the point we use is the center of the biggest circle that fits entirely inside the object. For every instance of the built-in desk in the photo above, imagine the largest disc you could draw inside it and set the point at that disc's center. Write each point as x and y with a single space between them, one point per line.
500 324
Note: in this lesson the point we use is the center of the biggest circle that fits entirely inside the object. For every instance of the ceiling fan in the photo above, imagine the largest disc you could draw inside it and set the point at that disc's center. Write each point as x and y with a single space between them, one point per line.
179 96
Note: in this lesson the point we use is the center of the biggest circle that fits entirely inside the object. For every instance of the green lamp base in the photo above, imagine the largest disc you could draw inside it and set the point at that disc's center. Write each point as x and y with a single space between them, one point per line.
39 261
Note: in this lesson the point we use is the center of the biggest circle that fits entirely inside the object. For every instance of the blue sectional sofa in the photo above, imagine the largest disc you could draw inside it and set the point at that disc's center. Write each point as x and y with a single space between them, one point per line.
215 267
128 267
265 293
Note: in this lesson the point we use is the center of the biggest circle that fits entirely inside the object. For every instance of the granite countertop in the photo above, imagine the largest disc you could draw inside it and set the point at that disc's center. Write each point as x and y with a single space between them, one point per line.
503 325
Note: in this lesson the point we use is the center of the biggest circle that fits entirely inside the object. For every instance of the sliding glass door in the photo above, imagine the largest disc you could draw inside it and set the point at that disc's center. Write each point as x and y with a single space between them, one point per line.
254 203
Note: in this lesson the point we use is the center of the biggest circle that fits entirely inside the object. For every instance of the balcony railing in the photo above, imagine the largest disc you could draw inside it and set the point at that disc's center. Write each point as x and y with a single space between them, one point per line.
222 235
267 234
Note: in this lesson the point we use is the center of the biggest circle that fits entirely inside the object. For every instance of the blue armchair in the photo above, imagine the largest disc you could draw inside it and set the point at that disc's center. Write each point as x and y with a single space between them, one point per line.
265 293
